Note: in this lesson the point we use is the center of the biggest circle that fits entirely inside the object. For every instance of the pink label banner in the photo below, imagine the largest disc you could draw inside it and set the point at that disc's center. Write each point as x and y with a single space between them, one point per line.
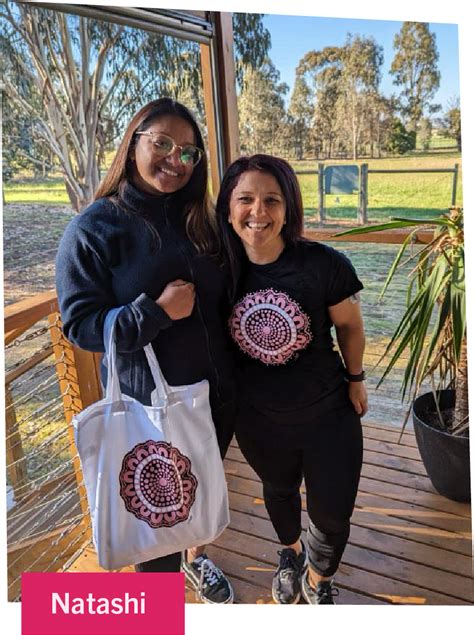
102 604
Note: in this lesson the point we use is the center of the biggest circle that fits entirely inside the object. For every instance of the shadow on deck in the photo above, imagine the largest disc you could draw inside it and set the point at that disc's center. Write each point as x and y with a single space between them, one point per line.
408 544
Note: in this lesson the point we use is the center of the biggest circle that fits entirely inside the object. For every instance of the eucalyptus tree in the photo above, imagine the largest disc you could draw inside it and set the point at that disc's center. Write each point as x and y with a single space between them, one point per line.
323 69
21 149
84 79
424 133
300 118
379 121
360 79
252 42
80 80
415 69
262 110
451 122
345 79
378 112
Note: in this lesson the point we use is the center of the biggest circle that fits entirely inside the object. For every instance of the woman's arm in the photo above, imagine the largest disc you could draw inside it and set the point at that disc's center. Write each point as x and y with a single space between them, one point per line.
85 295
347 319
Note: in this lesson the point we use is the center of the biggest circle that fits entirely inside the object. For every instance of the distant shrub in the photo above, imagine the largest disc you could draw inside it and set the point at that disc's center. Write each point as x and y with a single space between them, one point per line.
424 134
399 140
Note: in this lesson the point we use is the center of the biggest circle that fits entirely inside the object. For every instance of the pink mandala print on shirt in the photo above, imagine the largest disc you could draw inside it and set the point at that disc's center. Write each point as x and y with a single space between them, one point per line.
269 326
157 485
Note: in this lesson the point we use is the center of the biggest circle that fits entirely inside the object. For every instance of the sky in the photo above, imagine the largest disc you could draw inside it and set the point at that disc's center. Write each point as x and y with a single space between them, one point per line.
293 36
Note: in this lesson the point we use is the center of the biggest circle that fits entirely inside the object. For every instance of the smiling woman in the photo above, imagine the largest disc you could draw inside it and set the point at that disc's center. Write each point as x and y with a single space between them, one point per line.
149 245
300 402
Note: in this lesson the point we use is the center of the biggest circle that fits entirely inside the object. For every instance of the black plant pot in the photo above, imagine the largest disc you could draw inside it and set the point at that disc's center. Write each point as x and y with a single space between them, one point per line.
446 457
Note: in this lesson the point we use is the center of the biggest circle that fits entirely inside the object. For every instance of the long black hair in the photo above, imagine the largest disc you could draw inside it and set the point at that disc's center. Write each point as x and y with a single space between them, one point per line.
292 230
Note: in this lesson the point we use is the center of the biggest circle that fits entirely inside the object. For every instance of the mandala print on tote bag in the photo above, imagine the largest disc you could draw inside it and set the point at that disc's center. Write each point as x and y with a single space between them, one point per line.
157 485
269 326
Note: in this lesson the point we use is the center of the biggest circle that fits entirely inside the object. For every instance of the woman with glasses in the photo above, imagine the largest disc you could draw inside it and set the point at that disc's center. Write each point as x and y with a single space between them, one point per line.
149 243
300 403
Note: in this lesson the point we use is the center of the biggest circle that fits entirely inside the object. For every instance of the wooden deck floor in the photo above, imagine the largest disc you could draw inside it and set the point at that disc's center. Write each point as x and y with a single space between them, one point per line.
408 544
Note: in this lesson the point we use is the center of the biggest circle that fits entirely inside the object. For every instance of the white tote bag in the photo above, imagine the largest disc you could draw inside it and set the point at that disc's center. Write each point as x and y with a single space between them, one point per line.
153 474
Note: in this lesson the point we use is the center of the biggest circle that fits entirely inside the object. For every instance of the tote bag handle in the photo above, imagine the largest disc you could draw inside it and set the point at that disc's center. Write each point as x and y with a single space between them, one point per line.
113 391
162 387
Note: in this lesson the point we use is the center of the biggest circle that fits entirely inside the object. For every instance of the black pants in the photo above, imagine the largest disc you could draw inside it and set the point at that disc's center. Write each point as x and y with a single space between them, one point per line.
224 420
328 455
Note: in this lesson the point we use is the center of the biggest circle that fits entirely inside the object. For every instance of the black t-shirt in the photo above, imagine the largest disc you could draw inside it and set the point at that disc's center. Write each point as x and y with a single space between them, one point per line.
288 366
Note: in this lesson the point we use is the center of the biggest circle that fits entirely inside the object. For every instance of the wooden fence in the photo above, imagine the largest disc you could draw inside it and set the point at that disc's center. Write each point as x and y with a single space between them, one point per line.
363 194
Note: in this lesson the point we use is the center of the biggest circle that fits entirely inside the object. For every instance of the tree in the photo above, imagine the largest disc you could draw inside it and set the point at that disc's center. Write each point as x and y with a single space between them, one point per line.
300 117
252 41
84 78
424 133
376 121
80 80
324 69
345 79
360 78
451 122
415 68
262 110
22 147
21 150
400 140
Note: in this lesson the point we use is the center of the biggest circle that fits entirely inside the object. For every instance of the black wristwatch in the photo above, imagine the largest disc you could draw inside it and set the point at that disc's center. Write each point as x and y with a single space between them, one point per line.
359 377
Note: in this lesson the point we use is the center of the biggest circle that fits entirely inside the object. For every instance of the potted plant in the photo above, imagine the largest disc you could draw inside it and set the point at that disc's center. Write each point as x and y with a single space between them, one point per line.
432 334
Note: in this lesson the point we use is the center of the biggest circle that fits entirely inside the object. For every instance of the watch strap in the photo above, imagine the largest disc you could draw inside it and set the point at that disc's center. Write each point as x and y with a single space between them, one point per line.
355 378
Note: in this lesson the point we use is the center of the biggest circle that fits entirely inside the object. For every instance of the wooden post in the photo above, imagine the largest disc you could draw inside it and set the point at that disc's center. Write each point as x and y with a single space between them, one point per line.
455 184
321 209
363 194
209 102
15 455
224 67
80 383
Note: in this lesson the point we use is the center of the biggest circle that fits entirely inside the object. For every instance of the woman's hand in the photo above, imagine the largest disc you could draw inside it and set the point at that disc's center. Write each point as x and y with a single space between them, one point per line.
347 318
358 397
177 299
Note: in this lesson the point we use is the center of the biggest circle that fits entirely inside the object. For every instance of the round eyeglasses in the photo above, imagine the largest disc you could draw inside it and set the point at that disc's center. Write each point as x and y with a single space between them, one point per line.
163 146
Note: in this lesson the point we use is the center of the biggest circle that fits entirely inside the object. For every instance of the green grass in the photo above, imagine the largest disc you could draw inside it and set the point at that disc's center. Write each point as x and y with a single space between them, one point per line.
389 194
437 141
50 191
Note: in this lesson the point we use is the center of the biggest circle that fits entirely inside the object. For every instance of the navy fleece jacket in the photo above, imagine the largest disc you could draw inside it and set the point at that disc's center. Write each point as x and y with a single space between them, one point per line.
111 257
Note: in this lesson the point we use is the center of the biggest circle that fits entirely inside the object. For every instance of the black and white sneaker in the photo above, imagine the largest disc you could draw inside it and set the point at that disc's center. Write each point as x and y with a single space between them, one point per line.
210 583
324 593
286 585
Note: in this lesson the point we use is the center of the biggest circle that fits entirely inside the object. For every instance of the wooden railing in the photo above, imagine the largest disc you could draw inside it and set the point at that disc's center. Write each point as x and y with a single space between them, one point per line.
392 237
44 533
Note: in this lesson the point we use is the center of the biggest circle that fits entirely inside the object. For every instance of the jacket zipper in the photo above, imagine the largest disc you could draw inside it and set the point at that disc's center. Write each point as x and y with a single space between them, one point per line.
198 304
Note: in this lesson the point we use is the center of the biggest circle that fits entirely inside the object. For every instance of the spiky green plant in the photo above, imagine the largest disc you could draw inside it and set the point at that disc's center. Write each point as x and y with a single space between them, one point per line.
432 331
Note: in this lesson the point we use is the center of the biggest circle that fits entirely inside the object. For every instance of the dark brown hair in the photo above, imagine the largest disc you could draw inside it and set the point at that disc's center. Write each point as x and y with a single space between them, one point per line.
284 174
200 217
